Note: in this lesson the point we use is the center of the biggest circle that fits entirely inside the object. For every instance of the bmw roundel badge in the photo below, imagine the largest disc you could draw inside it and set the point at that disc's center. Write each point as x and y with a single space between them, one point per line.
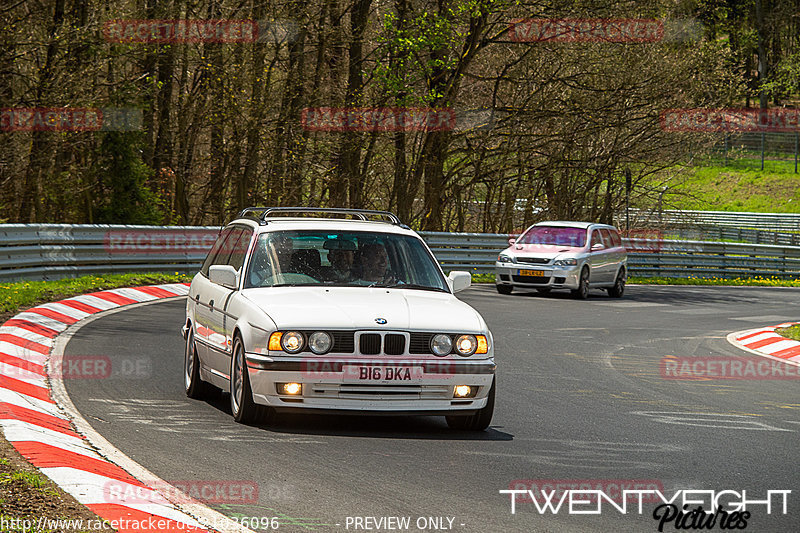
380 320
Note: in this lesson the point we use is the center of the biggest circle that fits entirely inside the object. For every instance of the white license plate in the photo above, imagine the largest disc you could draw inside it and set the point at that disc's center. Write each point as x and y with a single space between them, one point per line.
383 374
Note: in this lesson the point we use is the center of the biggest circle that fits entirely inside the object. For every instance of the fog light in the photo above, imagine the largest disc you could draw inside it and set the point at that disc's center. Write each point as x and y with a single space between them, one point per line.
292 389
463 391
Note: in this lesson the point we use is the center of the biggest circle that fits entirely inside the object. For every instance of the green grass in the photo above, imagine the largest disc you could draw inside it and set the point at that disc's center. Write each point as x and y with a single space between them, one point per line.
25 294
737 282
739 186
792 332
31 479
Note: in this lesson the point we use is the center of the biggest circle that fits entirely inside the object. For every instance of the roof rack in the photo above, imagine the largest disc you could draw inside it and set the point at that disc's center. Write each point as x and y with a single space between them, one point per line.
262 213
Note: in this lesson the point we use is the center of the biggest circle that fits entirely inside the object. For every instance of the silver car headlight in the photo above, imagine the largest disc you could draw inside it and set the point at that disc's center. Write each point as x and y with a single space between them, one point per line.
292 342
466 345
503 258
320 342
566 262
441 344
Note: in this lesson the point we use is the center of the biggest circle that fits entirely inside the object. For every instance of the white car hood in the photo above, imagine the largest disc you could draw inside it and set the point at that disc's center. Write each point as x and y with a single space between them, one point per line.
358 307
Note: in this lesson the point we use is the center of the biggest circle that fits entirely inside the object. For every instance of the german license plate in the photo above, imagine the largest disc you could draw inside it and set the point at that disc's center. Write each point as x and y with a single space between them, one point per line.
537 273
383 374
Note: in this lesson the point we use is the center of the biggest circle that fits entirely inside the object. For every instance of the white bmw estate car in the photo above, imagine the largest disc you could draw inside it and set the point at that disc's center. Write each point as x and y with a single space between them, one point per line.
299 309
564 255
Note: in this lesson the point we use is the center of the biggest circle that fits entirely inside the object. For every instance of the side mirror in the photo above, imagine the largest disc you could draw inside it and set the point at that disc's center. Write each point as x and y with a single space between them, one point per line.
598 246
512 241
459 280
224 275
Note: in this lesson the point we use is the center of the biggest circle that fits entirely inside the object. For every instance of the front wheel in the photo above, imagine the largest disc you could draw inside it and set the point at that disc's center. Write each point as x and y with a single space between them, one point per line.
195 387
504 289
582 292
243 408
477 422
619 285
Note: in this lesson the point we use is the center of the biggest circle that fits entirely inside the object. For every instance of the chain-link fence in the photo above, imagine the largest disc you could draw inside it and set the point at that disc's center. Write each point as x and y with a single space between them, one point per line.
759 147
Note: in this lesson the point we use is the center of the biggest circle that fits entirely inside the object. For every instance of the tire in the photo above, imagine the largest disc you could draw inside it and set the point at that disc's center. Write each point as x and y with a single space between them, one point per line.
196 388
582 292
543 291
479 421
619 285
243 408
504 289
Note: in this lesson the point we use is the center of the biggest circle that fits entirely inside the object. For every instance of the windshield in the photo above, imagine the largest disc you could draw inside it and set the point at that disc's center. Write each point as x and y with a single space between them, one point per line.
554 236
291 258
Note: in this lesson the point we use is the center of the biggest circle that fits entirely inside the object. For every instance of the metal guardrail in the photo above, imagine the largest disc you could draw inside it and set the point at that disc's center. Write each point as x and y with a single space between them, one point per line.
731 234
777 222
648 258
52 251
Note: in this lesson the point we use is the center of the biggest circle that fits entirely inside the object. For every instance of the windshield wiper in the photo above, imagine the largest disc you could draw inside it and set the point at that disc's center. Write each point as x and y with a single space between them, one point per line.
412 286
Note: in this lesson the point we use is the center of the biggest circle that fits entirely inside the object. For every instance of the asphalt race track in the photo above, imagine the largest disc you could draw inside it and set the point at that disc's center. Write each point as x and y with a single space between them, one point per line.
580 397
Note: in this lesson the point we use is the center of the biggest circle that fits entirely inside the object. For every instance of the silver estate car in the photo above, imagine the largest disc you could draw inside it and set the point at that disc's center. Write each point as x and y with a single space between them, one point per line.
564 255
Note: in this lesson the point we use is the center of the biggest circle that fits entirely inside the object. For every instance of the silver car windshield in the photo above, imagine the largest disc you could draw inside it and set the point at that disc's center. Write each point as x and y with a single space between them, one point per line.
554 235
294 258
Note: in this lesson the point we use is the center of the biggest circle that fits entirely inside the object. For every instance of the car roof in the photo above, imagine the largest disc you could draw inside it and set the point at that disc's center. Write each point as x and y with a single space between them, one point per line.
573 224
325 224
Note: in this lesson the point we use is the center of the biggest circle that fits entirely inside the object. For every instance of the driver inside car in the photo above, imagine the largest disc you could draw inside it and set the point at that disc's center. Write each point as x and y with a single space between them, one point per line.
341 255
375 265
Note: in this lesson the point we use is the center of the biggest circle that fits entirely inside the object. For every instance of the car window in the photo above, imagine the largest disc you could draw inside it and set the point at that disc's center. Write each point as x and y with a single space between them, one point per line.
607 238
219 246
224 254
342 258
554 236
615 238
239 249
596 237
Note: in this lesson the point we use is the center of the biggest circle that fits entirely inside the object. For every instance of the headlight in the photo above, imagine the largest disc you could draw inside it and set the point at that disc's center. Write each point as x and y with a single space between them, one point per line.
466 345
292 342
565 262
502 258
441 344
319 342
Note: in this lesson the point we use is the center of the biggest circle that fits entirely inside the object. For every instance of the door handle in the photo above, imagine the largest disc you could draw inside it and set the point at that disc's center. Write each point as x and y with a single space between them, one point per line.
211 304
197 297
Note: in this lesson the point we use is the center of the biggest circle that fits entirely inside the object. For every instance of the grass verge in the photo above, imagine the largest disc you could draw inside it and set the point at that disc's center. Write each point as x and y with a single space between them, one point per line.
15 296
740 185
792 332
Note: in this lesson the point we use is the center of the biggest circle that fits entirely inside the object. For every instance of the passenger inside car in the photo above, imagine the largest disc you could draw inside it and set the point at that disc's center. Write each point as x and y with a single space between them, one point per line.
306 261
341 255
